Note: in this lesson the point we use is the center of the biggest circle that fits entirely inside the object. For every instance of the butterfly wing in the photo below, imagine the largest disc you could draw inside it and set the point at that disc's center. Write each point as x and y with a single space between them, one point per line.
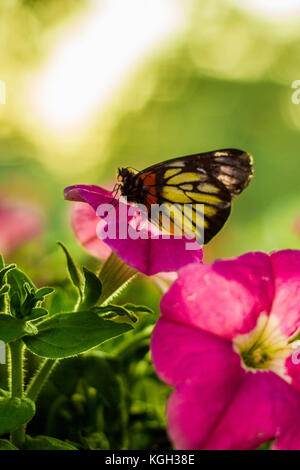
195 192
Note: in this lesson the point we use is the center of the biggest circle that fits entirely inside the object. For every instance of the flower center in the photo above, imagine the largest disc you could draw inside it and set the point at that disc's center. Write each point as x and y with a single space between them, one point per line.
255 358
264 348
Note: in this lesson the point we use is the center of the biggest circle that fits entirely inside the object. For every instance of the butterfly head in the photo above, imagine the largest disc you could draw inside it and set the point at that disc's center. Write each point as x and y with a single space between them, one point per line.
122 173
130 184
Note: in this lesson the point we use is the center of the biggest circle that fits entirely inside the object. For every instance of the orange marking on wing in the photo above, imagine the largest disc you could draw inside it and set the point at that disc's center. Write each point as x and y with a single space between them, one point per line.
148 179
152 191
149 201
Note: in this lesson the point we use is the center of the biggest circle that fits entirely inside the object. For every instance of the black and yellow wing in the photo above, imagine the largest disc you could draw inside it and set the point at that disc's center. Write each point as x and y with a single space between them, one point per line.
195 192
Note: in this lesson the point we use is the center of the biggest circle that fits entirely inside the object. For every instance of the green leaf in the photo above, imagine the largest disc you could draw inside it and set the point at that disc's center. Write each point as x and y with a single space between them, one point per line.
14 412
2 303
37 313
47 443
29 302
15 305
33 298
5 271
25 297
16 279
18 293
138 308
92 289
42 292
7 445
4 289
113 311
74 271
63 299
67 334
129 309
13 328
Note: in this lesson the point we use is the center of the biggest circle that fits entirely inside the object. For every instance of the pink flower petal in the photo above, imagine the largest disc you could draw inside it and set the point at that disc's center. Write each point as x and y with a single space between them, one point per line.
88 193
206 371
18 224
225 298
181 353
286 305
228 411
217 404
264 407
84 222
147 254
292 367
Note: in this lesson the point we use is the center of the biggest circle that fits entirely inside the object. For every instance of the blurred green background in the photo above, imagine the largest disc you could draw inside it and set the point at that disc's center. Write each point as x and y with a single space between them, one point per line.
92 85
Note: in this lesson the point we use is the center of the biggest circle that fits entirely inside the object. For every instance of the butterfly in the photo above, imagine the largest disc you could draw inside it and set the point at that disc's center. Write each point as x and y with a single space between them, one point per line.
189 189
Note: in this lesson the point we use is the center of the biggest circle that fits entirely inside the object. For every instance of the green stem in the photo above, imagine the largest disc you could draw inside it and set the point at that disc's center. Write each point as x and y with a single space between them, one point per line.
40 378
114 275
78 303
16 385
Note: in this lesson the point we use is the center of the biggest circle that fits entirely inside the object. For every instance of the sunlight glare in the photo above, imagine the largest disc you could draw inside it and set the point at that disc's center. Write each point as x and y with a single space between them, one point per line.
92 60
272 9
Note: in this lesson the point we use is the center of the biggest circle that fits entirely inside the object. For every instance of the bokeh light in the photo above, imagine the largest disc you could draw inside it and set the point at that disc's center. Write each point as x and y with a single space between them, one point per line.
93 58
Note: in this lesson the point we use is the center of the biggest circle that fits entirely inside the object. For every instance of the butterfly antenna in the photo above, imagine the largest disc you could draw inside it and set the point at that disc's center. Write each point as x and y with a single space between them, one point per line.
134 169
115 192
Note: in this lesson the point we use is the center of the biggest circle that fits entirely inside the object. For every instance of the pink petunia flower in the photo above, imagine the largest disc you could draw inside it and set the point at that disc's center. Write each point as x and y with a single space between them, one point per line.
127 233
19 223
223 342
84 223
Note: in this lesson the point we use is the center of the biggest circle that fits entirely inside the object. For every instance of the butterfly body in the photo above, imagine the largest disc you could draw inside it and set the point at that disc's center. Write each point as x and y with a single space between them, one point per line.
132 186
209 180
